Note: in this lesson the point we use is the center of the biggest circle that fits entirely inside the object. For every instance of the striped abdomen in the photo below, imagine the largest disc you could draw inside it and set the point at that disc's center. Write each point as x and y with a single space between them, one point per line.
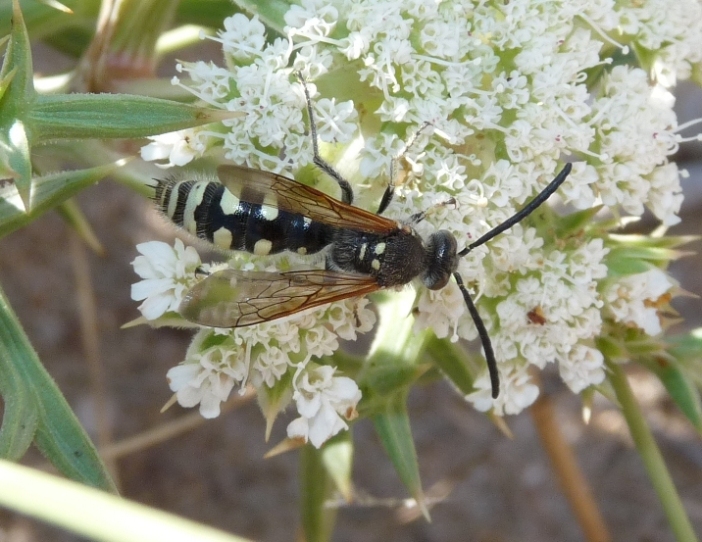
210 211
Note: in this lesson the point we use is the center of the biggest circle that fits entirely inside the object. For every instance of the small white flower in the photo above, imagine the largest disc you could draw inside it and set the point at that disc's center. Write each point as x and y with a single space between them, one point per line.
242 37
178 148
581 367
207 380
634 299
517 391
324 402
270 365
167 273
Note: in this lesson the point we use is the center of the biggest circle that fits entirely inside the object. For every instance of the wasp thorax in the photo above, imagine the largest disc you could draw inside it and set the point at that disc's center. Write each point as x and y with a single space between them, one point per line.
441 260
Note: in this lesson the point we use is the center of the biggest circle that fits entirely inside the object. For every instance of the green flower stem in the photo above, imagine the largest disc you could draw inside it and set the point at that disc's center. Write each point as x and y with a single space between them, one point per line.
651 456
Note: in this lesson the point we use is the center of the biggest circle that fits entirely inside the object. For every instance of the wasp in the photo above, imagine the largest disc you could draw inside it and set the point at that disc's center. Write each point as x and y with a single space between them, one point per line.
264 213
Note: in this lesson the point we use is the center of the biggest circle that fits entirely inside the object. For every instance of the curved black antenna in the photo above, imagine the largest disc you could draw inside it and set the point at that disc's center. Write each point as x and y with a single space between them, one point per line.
523 213
514 219
484 337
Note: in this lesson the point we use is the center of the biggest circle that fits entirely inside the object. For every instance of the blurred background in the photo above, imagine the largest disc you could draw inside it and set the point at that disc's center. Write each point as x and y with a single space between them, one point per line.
482 485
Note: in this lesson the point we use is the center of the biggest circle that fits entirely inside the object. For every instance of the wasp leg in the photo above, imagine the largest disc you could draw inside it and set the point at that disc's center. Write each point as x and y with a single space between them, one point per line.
346 190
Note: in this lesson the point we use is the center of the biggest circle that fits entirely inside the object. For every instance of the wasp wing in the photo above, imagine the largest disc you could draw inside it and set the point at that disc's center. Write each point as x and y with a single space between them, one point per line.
231 298
261 187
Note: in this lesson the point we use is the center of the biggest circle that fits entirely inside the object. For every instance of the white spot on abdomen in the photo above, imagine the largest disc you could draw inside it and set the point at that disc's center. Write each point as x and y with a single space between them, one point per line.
262 247
229 203
222 238
269 213
194 199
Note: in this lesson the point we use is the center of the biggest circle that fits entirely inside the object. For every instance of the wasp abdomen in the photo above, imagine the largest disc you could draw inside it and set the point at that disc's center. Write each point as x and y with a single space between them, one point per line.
211 212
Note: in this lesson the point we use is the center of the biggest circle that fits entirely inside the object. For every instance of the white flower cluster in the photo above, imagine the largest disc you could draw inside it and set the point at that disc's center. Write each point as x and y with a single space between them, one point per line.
491 95
261 356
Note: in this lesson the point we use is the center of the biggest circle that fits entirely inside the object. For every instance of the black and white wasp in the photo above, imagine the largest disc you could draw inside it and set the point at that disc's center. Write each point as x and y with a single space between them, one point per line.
265 213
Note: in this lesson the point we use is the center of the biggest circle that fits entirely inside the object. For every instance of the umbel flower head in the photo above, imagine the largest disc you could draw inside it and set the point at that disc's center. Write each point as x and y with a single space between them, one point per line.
494 97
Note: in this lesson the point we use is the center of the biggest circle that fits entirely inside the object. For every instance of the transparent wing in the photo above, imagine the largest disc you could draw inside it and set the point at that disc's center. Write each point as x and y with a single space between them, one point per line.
256 186
231 298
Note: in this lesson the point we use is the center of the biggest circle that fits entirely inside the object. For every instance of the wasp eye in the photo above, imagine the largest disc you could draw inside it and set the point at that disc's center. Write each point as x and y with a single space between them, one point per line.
442 260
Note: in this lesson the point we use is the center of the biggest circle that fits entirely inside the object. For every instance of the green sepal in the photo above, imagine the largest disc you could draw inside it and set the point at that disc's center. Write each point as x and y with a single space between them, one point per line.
631 254
18 58
395 433
14 145
688 348
611 348
31 392
650 241
105 116
680 387
576 222
47 192
272 401
194 12
687 353
271 13
337 456
454 362
315 488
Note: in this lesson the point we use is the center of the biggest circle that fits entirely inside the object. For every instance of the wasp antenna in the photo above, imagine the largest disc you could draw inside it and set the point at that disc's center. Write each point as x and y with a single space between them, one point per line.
484 337
526 211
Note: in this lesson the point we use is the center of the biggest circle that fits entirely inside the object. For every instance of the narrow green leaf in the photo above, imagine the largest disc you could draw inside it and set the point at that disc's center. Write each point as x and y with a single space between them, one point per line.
18 57
393 428
59 435
315 488
105 116
17 73
19 424
95 515
5 81
47 192
73 214
19 417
